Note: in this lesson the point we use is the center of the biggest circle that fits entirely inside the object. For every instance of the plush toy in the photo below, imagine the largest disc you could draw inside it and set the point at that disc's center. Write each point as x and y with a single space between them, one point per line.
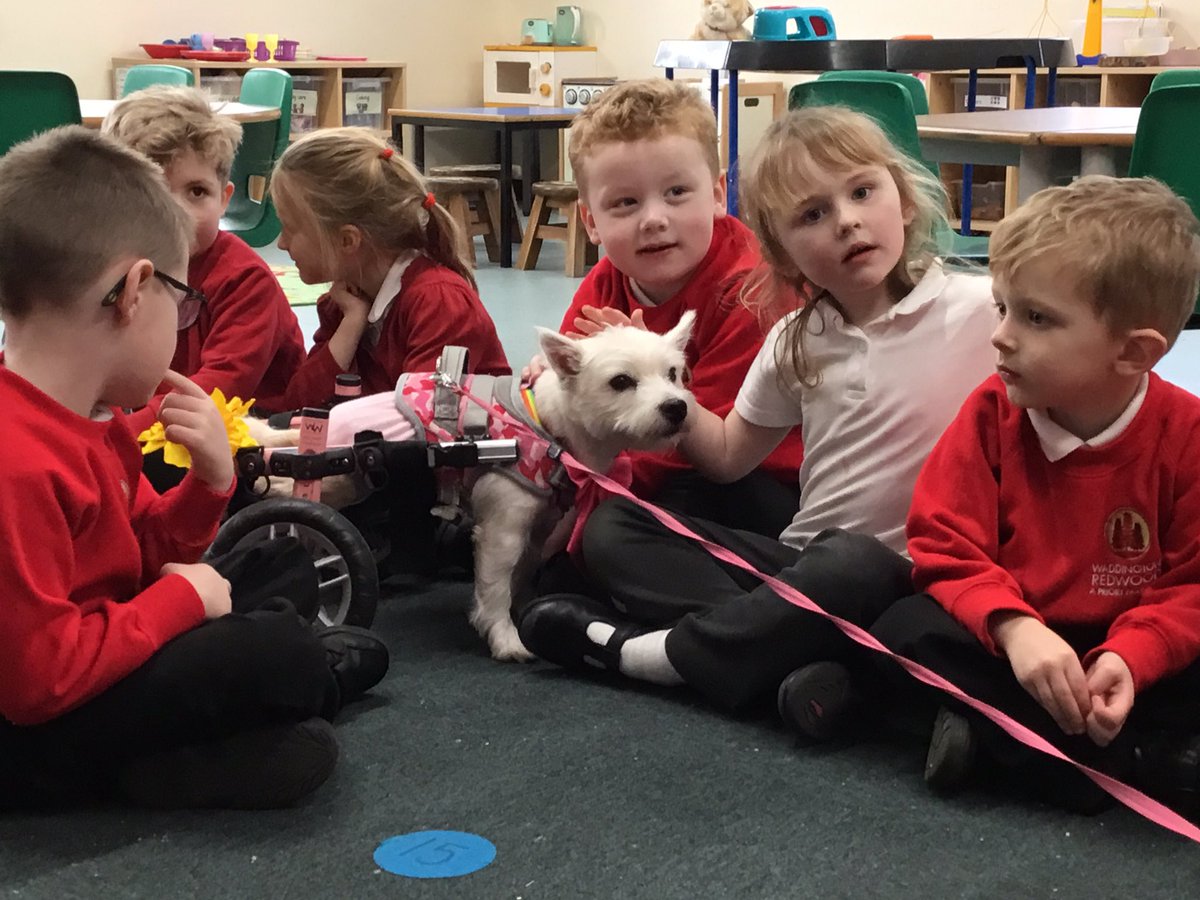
721 20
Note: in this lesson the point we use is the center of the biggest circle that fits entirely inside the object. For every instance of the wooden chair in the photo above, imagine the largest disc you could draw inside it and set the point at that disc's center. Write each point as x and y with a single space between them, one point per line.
475 204
485 170
563 196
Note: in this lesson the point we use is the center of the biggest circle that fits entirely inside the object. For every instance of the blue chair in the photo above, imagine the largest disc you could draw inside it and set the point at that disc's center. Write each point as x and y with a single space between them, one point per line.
139 77
888 103
251 215
33 102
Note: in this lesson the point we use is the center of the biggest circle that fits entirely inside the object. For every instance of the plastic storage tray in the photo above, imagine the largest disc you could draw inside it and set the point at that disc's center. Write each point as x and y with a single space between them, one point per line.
364 104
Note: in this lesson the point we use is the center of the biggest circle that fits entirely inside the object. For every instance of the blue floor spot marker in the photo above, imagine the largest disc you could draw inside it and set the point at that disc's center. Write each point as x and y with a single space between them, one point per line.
434 854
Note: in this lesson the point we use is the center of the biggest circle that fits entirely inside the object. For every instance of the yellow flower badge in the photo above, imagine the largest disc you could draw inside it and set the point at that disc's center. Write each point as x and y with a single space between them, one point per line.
232 411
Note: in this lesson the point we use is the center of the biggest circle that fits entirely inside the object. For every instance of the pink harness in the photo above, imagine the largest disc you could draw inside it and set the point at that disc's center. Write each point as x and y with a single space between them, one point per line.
498 412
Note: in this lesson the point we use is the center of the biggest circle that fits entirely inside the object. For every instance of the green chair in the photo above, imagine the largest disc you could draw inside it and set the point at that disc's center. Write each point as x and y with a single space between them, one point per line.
32 102
251 215
1174 78
139 77
889 103
911 83
1164 147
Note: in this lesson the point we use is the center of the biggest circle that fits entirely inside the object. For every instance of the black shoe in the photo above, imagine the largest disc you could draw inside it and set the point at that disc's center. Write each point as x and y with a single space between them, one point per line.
359 660
951 753
815 700
554 628
268 768
1167 767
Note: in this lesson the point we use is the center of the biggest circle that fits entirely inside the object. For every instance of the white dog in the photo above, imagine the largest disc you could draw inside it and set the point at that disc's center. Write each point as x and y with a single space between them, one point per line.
619 389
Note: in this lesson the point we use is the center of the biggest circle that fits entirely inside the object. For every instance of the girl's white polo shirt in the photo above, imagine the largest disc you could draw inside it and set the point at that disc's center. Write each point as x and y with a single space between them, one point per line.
888 390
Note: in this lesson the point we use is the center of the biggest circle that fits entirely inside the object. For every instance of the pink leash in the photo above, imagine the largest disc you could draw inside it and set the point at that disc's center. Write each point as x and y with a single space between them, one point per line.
1131 797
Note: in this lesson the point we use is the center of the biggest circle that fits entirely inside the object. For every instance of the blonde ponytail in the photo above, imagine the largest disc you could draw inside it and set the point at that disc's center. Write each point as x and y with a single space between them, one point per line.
352 176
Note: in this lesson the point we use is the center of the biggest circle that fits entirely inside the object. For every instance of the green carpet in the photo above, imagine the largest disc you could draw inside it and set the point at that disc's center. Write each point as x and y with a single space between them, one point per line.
297 292
593 789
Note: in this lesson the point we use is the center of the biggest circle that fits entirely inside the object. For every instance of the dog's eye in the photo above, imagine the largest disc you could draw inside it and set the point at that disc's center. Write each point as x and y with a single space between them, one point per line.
672 375
622 383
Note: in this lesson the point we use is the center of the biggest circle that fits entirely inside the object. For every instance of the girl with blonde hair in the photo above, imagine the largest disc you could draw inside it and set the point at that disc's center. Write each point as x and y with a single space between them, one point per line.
873 367
356 213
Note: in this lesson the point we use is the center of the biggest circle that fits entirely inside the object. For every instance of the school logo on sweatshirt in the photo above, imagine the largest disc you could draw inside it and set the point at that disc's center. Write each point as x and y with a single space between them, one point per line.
1127 533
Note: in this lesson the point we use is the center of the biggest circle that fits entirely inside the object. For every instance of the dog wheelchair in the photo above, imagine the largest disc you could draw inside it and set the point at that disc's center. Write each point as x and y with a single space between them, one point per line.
392 528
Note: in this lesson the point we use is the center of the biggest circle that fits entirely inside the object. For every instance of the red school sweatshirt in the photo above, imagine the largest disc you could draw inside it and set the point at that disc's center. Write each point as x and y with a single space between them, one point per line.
1107 536
436 306
82 539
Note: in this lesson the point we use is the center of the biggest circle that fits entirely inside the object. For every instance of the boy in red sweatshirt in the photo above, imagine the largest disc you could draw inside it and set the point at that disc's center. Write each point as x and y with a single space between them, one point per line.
1055 528
244 337
129 670
653 194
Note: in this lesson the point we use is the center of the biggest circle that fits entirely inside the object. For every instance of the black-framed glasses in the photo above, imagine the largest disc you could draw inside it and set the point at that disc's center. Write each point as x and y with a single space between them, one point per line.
188 303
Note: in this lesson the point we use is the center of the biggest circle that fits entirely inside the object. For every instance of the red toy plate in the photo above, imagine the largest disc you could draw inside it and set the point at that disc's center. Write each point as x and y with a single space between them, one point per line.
217 55
163 51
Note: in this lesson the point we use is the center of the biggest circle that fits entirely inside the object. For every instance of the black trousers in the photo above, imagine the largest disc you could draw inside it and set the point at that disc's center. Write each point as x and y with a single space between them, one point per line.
918 628
732 637
258 666
759 502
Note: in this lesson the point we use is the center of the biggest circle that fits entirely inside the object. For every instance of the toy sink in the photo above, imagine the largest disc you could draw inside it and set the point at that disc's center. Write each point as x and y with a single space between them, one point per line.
794 23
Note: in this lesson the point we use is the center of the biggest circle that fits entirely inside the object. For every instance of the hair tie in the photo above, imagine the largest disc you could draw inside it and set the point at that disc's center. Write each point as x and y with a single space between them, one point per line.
429 202
386 153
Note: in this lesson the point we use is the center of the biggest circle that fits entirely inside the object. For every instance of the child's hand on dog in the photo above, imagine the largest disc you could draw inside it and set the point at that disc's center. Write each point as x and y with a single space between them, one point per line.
214 590
597 318
593 320
190 418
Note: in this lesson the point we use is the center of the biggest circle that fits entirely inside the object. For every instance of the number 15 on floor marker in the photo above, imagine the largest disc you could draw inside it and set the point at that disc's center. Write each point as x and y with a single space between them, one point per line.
434 854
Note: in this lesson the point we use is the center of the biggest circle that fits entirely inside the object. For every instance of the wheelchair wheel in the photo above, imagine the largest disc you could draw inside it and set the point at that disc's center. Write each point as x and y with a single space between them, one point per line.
348 578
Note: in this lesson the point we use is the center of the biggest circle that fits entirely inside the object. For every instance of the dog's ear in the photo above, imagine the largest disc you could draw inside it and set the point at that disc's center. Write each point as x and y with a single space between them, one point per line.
562 352
682 332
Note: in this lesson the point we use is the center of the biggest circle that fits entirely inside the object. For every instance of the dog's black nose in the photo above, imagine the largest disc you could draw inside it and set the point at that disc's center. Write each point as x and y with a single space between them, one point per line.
674 411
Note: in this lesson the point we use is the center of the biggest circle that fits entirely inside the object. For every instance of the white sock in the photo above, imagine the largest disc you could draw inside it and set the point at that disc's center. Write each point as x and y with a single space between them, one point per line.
643 657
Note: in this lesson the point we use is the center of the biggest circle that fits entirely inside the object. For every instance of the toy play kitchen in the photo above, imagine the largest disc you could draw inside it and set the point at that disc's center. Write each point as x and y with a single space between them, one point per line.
794 23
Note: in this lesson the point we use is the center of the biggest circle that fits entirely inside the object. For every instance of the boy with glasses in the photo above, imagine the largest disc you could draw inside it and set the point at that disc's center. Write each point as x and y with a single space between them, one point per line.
128 670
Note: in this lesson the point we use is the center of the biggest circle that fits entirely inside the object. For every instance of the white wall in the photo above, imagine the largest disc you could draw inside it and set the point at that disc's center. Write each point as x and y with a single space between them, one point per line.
627 31
440 40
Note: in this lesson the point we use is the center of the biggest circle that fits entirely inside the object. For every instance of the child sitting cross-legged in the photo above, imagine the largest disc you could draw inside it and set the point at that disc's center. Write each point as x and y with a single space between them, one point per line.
129 670
1055 529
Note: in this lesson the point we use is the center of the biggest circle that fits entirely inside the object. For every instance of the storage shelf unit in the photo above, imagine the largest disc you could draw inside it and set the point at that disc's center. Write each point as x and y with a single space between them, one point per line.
330 103
1117 86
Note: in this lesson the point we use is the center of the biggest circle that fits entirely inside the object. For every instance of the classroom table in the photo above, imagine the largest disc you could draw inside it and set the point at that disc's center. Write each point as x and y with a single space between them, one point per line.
1042 143
893 54
505 121
94 111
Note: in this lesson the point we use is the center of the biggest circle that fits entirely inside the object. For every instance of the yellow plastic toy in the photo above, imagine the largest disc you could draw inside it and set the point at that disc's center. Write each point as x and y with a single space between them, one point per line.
1091 34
